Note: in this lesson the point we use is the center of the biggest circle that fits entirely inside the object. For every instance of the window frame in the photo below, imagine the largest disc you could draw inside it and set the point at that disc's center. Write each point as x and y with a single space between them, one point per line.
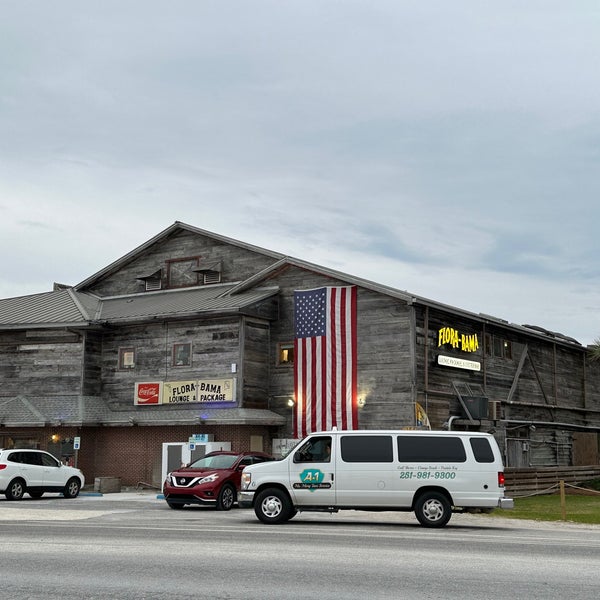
174 351
124 363
285 347
498 347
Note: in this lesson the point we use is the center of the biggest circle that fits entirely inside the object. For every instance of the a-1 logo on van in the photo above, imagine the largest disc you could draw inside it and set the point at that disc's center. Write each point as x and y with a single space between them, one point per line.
311 479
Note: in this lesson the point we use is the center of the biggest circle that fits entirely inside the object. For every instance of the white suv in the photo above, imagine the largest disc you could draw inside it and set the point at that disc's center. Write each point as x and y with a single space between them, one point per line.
35 472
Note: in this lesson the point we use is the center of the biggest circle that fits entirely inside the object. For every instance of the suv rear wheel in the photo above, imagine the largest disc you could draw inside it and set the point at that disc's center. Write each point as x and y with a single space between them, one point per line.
16 490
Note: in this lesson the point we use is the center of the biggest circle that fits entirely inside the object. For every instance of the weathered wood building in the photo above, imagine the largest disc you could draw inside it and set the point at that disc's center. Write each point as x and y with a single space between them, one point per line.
191 333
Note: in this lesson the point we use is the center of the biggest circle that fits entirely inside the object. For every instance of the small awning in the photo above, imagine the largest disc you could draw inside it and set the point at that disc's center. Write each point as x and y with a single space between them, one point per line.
155 275
209 267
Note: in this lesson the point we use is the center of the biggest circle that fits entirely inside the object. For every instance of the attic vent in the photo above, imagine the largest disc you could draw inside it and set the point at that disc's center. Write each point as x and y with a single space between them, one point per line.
152 281
210 272
212 277
152 285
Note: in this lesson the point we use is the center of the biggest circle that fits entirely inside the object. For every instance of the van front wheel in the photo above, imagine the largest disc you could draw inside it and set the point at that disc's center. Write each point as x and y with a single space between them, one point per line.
273 506
433 509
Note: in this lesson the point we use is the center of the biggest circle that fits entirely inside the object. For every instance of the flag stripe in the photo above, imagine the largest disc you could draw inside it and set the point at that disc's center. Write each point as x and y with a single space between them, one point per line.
325 376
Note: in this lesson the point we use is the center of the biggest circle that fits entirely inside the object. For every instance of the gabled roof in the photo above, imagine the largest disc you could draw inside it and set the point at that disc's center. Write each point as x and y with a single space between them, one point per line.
71 307
67 308
288 261
181 302
163 235
61 308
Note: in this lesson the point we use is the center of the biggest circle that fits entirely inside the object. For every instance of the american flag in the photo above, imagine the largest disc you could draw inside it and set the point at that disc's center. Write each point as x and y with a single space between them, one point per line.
325 359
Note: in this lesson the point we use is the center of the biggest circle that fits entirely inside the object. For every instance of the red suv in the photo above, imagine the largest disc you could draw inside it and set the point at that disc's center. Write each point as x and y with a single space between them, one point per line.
213 480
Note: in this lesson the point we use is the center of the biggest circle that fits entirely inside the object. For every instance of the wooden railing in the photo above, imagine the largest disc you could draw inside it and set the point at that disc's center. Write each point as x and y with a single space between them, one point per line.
545 480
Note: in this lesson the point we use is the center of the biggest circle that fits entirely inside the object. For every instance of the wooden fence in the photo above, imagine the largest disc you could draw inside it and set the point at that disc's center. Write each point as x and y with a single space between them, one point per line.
545 480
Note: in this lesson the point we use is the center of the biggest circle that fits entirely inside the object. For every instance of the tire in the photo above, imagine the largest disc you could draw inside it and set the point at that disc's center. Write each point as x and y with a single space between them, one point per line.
227 497
16 490
175 506
36 495
72 488
433 509
273 506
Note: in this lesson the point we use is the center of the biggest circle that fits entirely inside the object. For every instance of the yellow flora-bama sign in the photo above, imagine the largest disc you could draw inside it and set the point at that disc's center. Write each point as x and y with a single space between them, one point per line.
466 343
202 390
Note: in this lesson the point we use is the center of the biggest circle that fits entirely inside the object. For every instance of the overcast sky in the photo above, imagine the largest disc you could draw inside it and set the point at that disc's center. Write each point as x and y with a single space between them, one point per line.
450 149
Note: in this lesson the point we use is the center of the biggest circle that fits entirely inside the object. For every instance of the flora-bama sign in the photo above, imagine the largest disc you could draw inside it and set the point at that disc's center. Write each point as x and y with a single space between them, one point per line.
450 336
184 392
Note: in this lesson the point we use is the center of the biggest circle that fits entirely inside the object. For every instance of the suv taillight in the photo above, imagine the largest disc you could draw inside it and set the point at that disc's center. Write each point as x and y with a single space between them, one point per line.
2 466
500 479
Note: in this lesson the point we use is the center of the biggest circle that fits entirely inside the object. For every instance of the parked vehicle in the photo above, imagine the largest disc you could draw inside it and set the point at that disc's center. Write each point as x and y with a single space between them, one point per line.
432 473
213 480
36 472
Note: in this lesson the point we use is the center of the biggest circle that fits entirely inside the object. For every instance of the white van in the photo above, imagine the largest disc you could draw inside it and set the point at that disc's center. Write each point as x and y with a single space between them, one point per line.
432 473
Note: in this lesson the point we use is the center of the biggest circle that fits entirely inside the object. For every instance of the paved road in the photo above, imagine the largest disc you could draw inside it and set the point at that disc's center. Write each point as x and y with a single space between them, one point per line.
131 545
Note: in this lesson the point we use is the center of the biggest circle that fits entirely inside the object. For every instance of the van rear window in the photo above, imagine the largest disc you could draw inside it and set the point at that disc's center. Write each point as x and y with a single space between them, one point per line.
482 450
413 448
367 448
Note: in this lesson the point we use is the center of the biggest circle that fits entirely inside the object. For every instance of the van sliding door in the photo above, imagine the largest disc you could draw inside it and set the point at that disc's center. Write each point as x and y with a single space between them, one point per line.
365 474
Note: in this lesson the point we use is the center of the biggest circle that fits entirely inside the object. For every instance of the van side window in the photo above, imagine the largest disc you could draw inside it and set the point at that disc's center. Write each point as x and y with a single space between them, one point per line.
317 449
482 450
367 448
413 448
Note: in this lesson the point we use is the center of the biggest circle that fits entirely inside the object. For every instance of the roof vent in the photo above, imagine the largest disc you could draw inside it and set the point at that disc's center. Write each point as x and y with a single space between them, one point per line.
153 281
210 271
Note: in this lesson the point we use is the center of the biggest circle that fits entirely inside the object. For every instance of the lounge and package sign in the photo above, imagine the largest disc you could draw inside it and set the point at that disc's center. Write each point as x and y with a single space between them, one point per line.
184 392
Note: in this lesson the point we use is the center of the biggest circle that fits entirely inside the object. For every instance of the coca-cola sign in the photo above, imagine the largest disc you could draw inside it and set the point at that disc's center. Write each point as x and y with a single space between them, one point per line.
148 392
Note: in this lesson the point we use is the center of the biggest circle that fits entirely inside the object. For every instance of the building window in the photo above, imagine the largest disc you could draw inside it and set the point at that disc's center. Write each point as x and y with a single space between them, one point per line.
182 355
285 354
497 346
126 358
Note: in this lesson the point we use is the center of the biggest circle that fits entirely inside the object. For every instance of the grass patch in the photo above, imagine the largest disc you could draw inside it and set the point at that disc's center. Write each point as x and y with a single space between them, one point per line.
579 509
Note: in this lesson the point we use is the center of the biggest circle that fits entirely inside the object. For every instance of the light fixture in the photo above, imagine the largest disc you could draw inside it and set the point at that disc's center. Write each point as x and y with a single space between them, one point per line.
290 402
361 401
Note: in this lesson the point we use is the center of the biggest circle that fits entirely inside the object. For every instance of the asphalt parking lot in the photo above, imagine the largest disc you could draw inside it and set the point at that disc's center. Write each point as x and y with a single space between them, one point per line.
90 504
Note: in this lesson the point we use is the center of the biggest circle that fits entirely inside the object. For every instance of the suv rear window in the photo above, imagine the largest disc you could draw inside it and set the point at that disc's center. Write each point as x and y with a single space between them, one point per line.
367 448
413 448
